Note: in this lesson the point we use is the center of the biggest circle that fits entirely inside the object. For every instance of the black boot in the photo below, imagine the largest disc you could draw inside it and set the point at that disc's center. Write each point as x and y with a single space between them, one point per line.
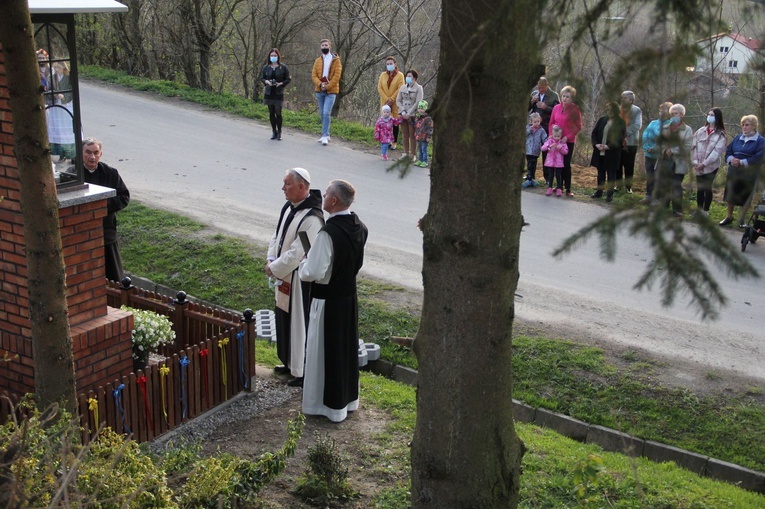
279 135
273 136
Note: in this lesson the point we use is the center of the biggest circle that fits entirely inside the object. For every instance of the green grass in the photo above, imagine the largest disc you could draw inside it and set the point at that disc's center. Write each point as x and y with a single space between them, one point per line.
549 467
576 380
552 373
304 120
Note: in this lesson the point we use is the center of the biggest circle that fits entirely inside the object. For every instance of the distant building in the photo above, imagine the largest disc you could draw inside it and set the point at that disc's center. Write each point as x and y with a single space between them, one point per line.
729 53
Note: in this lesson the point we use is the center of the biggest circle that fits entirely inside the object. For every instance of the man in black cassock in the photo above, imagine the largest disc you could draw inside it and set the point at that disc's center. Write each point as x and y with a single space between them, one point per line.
102 174
331 379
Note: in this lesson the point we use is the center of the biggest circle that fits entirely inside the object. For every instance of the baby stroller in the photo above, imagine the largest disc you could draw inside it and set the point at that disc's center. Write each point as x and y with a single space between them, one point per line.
756 226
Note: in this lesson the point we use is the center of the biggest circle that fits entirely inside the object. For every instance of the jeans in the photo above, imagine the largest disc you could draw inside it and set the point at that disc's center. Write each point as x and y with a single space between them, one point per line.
422 151
326 102
384 148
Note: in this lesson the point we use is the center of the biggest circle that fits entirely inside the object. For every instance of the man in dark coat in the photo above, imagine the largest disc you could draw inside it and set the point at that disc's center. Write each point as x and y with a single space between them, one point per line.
331 384
101 174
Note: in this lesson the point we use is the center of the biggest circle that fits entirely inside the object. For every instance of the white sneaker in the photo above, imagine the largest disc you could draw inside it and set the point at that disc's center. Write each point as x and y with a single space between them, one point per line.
321 140
325 141
403 156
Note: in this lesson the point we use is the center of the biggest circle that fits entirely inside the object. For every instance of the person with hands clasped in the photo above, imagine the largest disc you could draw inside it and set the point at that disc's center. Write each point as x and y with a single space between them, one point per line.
275 76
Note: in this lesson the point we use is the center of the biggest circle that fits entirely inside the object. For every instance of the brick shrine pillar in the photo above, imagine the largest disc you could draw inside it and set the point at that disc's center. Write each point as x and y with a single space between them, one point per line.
101 343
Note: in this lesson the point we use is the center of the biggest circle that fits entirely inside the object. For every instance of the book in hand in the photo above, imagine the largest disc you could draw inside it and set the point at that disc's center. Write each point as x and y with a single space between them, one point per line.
304 240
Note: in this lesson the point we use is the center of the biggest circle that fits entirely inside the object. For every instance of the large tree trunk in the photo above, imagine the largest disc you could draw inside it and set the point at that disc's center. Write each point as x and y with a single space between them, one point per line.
465 451
51 337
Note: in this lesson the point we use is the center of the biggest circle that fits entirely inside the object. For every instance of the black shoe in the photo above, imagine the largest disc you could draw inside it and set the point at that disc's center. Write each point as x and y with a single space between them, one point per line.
296 382
273 136
597 194
609 197
677 214
742 225
281 370
726 221
279 136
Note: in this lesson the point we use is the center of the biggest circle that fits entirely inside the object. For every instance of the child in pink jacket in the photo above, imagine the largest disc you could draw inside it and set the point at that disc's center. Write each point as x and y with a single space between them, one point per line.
556 147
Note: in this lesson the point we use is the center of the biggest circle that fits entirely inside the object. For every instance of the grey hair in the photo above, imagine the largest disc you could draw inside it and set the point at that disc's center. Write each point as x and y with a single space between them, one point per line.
298 178
535 116
343 191
92 141
677 107
629 94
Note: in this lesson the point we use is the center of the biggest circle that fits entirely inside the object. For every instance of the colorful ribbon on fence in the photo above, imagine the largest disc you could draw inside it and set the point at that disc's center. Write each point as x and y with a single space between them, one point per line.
141 381
184 363
203 360
117 393
222 345
163 372
93 407
242 373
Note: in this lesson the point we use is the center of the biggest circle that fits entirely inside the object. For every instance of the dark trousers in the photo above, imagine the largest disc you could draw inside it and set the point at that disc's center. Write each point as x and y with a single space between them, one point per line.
556 174
567 167
650 178
275 117
531 166
677 192
606 177
626 169
704 189
395 134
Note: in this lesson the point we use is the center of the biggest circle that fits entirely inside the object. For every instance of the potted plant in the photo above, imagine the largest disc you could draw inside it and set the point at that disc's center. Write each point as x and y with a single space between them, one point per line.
150 331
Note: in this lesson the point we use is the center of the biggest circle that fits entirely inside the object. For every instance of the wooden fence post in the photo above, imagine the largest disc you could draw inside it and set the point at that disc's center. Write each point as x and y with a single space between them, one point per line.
179 319
126 288
248 317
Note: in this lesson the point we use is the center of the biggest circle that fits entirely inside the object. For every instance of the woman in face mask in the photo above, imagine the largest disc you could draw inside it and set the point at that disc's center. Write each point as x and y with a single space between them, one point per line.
409 95
676 141
275 76
391 80
708 147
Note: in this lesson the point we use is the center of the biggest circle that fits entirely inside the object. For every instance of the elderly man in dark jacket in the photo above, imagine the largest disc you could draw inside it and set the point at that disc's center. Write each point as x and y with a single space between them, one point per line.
104 175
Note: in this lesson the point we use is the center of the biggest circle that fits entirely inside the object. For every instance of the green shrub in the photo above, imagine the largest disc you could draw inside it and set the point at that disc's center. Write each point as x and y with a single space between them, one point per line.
116 474
217 482
326 480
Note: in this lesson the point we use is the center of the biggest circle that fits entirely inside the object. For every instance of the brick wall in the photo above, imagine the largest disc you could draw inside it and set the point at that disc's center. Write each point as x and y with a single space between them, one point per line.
100 335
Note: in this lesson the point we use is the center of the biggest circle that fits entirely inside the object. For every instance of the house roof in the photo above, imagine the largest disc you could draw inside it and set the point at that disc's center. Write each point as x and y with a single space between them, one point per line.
74 6
752 44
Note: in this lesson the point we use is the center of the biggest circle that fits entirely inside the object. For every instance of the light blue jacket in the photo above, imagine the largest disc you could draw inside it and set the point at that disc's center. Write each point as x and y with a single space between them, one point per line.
650 135
534 140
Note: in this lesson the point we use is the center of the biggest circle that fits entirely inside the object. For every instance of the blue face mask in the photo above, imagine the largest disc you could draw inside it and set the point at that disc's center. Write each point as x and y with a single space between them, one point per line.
273 59
390 67
674 120
711 119
408 80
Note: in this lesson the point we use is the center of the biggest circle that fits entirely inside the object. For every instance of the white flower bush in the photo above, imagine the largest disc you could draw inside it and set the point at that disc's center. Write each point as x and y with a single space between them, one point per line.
150 330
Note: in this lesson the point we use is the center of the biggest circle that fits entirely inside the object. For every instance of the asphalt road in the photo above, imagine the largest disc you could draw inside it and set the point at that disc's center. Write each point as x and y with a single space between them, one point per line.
226 172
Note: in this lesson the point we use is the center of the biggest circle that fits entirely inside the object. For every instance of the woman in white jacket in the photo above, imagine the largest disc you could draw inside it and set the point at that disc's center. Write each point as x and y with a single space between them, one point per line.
708 147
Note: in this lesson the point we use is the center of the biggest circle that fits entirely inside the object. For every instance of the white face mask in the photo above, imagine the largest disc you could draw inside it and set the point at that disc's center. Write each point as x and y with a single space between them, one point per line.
711 119
408 80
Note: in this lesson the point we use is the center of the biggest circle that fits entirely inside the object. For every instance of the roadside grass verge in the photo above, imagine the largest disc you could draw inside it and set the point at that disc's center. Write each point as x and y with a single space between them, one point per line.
551 467
305 120
552 373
